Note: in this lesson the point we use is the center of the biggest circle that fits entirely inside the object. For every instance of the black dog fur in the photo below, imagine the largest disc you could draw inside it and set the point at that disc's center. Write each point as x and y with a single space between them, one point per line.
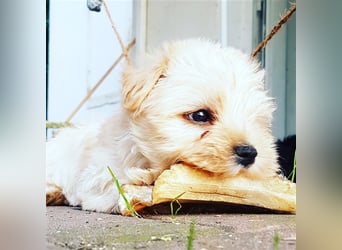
286 150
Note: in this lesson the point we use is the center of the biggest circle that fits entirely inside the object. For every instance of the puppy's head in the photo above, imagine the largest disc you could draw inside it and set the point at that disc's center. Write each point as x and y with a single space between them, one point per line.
203 105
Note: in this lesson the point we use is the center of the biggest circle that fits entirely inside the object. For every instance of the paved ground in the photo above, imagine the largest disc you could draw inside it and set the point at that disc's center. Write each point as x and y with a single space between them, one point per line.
75 229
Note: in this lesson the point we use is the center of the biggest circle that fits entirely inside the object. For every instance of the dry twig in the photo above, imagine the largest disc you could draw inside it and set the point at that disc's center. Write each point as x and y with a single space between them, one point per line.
92 90
275 29
123 48
123 54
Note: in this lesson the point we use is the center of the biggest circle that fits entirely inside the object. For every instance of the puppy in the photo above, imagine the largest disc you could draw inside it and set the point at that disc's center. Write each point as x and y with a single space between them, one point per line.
192 102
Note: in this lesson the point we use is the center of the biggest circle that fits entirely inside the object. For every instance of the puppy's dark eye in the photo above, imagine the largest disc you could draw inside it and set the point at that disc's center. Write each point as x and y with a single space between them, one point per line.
201 116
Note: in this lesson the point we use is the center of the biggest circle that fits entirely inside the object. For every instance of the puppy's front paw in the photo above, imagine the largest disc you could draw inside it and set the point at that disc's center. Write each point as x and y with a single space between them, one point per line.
137 197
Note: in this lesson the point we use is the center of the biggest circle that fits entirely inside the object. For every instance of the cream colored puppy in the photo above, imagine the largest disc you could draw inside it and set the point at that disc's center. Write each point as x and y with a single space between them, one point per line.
192 102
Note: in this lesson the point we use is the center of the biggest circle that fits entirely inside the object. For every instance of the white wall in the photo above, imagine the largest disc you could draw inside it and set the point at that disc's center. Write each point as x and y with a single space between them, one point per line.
82 47
276 64
281 68
230 22
291 76
239 25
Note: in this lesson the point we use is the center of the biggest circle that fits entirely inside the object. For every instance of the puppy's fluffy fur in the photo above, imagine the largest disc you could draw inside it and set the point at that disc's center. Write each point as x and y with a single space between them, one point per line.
192 102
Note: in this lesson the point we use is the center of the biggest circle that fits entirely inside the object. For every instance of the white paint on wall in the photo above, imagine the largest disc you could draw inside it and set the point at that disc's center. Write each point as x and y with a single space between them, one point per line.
82 47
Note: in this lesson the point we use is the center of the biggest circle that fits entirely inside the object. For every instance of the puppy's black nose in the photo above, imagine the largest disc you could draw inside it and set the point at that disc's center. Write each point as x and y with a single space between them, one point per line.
245 155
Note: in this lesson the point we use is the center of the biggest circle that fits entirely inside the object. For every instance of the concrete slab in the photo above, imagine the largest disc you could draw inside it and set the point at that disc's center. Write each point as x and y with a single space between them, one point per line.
71 228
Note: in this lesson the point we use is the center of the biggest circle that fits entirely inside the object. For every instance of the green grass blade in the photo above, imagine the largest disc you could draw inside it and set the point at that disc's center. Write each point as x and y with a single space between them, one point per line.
294 168
118 186
292 175
174 213
276 241
58 124
191 236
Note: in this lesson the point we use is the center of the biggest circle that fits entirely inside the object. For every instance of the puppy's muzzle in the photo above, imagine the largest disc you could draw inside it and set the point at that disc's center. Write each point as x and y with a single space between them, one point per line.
245 155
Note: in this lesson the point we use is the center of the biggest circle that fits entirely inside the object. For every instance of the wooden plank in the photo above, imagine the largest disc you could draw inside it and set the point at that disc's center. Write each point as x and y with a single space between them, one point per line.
278 194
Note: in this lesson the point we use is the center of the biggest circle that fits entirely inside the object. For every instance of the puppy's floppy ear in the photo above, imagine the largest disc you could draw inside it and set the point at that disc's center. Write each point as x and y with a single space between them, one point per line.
137 83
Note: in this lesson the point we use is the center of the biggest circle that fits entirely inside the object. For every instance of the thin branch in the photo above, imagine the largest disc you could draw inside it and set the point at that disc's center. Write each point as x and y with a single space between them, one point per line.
275 29
91 91
123 48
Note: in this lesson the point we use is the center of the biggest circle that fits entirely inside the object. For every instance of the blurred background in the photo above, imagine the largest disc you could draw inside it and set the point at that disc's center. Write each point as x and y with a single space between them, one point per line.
81 46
